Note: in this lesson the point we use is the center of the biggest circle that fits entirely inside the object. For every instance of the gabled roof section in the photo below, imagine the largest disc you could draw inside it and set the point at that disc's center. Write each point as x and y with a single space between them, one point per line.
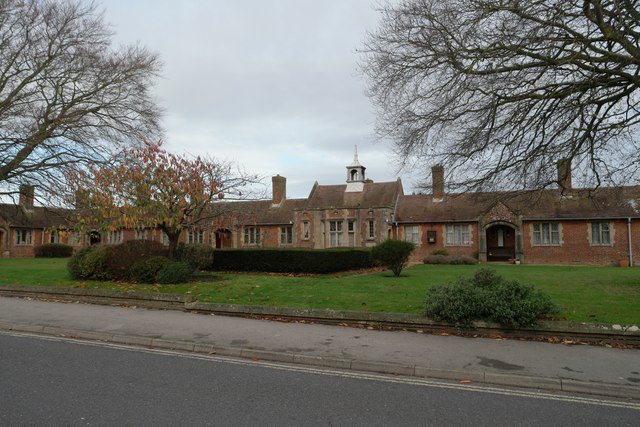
38 217
374 194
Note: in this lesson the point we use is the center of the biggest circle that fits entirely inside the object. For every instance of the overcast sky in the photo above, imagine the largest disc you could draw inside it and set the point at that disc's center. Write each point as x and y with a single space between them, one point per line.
272 85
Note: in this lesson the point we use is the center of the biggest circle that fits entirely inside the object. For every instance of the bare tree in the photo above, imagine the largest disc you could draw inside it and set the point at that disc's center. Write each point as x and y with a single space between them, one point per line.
501 90
67 96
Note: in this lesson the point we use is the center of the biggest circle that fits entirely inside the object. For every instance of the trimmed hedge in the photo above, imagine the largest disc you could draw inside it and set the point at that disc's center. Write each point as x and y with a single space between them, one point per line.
199 256
450 259
299 261
53 250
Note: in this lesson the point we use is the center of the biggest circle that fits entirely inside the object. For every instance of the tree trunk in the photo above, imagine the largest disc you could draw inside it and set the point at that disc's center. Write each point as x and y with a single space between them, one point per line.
174 239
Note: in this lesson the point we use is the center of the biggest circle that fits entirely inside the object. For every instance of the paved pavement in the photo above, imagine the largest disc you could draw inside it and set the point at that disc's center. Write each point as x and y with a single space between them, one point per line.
579 368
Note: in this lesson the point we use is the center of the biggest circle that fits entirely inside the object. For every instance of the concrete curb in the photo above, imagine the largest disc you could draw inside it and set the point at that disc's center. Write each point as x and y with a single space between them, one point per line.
466 377
189 303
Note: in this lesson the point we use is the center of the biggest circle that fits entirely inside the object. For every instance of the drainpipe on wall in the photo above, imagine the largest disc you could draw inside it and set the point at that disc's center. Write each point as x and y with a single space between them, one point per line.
629 240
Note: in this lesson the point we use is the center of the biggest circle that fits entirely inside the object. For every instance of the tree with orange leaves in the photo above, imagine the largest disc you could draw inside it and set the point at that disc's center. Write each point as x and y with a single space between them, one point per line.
148 187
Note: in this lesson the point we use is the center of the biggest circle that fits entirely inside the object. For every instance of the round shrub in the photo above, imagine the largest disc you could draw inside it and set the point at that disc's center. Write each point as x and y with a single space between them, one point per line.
145 271
89 263
74 266
175 272
199 256
121 257
487 296
53 250
393 254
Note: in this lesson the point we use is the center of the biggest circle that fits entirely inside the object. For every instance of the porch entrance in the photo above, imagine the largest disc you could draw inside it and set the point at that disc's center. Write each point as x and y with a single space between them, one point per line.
223 238
501 243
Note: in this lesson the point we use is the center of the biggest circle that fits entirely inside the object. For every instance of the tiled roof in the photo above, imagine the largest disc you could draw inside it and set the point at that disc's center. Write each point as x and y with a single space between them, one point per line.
263 212
38 217
547 204
373 195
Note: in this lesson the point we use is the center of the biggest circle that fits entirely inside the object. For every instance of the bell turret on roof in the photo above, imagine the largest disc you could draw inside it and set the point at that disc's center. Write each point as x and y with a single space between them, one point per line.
355 174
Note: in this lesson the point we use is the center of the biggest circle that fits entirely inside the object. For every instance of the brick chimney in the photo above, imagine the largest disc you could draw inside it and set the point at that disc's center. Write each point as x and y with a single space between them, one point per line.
26 196
279 185
437 182
564 174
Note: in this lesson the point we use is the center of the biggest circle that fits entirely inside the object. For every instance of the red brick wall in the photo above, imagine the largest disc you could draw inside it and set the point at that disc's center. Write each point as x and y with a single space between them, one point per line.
425 248
575 246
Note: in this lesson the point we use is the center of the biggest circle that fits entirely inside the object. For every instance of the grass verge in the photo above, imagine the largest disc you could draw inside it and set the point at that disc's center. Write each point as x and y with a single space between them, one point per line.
584 294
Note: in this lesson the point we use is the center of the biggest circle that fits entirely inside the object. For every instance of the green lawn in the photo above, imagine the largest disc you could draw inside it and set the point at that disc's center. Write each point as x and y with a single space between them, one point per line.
589 294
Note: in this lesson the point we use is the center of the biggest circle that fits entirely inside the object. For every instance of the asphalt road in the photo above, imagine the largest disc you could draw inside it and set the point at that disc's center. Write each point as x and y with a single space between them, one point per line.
55 381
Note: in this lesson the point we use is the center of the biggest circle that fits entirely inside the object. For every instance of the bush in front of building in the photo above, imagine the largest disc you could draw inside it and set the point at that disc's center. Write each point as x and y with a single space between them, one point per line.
175 272
120 258
393 254
199 256
146 271
295 261
450 259
126 261
89 263
53 250
487 296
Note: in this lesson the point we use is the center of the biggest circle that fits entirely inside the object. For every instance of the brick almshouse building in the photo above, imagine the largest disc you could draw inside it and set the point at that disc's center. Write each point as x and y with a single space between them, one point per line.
573 226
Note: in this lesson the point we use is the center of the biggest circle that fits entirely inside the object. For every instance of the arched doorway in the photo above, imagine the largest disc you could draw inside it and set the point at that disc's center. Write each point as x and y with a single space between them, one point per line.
501 242
94 237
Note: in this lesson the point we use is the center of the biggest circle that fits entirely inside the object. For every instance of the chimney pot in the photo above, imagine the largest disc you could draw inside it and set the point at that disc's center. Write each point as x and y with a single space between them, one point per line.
564 174
26 196
437 182
279 185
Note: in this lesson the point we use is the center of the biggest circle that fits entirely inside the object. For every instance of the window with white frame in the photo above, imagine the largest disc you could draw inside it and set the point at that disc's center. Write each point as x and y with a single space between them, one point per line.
412 234
305 230
286 235
24 236
351 231
74 239
114 237
195 236
54 237
600 234
252 235
335 233
546 234
164 239
457 235
371 229
141 234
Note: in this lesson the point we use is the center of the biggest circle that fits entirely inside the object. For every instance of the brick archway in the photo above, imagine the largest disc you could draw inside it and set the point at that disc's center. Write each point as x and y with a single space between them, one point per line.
501 241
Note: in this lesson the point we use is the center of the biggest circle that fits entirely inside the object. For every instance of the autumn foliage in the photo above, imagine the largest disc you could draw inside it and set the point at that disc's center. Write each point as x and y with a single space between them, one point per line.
149 187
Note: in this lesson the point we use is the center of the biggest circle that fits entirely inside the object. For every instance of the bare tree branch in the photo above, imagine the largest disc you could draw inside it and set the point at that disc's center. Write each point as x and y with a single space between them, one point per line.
67 96
500 90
